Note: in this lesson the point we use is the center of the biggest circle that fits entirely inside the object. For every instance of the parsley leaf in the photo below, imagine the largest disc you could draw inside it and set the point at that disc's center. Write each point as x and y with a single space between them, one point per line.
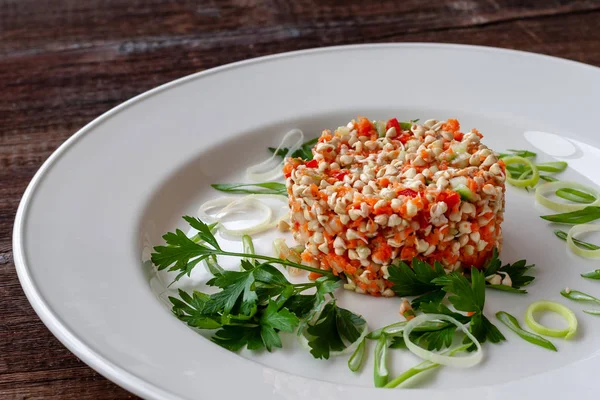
183 254
504 288
334 326
470 298
347 324
493 264
436 340
257 302
414 281
438 308
397 343
300 304
515 271
235 337
483 329
325 287
179 252
204 232
463 297
190 310
304 152
281 319
237 289
274 319
432 297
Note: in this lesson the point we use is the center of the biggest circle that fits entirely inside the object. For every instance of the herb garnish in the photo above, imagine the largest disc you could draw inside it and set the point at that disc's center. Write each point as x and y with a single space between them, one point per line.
595 274
563 236
576 196
252 188
576 295
470 298
588 214
515 271
418 280
182 254
432 284
513 324
304 152
256 303
548 178
519 153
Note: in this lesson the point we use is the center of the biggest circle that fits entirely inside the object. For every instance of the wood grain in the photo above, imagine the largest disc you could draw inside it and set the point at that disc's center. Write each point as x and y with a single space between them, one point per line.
63 63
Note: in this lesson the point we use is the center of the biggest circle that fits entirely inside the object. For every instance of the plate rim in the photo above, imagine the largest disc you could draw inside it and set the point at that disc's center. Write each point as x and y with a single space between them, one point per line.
105 367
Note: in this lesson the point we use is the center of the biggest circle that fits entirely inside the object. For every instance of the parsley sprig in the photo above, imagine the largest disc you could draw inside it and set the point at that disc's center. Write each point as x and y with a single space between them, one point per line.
470 298
515 271
431 284
304 152
418 279
255 304
183 254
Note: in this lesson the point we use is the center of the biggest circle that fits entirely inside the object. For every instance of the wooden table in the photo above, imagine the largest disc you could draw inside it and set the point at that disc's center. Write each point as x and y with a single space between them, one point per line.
63 63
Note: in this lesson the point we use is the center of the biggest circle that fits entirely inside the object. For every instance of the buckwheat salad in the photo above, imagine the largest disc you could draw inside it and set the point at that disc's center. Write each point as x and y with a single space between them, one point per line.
384 208
366 200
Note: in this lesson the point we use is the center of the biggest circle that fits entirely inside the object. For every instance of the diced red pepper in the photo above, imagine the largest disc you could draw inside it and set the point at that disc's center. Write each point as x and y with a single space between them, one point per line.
407 192
393 123
422 219
340 175
312 164
405 137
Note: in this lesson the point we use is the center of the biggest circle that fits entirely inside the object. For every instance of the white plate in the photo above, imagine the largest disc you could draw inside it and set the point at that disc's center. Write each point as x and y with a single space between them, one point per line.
87 219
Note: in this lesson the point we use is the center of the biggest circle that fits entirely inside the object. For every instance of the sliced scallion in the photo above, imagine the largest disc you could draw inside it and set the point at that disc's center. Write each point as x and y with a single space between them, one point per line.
535 175
576 295
576 196
381 372
356 359
545 305
512 323
592 274
397 328
588 214
459 362
520 153
557 187
422 367
213 267
252 188
248 246
592 312
563 236
548 178
584 251
553 167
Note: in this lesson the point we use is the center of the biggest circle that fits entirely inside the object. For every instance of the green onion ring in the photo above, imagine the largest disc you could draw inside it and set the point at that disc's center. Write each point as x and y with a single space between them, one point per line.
459 362
545 305
535 175
356 359
584 228
550 187
380 369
